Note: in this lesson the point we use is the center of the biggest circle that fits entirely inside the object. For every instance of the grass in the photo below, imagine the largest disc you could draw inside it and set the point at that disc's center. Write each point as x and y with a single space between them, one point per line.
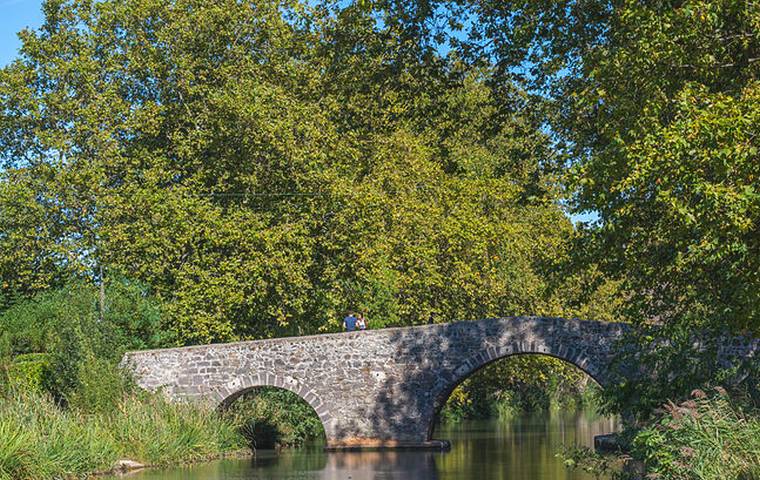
710 437
42 441
706 438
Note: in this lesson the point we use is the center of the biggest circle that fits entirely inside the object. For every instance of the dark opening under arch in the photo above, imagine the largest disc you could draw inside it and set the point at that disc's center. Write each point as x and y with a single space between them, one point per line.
271 416
474 365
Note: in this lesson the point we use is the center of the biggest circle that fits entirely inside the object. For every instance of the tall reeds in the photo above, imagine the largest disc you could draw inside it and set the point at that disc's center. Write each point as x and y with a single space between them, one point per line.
710 437
39 440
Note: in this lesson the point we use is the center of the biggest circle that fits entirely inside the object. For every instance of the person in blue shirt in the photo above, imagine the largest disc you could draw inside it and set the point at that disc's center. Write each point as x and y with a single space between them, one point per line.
349 323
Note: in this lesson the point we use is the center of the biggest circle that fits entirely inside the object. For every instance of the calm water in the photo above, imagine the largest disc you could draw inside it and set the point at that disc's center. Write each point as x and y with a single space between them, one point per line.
521 449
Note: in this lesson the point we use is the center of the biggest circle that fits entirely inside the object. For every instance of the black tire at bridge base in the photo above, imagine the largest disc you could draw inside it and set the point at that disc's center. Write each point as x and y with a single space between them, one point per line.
608 443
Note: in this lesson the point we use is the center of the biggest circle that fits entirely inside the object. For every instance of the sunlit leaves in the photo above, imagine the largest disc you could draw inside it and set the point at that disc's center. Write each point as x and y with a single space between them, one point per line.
265 166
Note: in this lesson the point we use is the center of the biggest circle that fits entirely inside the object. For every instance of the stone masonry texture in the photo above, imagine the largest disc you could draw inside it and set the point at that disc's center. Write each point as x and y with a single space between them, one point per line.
376 388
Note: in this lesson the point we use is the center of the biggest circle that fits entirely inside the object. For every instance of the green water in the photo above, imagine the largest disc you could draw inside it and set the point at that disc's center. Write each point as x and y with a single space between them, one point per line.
523 448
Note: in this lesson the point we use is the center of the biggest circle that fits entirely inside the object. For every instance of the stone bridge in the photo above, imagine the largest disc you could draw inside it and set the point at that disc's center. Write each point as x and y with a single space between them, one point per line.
374 388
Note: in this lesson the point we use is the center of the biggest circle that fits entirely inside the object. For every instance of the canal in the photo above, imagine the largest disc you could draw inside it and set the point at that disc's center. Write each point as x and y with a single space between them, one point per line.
522 448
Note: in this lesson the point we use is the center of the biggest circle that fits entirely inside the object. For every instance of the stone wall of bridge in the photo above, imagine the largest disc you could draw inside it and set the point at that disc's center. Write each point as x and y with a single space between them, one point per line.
374 388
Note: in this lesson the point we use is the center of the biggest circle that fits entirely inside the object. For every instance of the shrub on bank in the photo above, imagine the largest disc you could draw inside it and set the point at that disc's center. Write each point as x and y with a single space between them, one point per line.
40 440
61 340
709 437
28 372
66 408
705 438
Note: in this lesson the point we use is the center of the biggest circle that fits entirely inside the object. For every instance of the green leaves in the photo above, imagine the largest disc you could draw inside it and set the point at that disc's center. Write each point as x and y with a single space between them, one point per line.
80 344
265 166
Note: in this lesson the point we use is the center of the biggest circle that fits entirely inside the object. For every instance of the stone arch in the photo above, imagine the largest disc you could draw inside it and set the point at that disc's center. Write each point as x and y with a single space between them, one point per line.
448 382
226 394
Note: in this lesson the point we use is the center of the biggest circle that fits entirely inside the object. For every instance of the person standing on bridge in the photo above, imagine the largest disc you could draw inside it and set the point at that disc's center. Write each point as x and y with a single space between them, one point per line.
349 323
361 322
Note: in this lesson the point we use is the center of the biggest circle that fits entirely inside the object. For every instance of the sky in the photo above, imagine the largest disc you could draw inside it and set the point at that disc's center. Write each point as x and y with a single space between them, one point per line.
15 15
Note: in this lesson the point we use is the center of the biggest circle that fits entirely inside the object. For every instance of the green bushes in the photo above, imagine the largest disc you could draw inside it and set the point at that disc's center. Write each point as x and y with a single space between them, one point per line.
670 368
41 440
705 438
273 417
67 410
709 437
28 372
522 383
75 346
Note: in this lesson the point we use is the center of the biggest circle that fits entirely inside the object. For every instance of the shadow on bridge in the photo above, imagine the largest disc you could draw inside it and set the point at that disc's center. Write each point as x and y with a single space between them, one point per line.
435 365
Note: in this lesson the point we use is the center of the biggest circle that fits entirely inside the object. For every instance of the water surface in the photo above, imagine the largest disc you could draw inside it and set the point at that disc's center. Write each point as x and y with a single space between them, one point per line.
523 448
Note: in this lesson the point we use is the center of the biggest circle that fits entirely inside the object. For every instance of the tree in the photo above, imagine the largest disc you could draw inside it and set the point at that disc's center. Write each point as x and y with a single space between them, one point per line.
654 105
264 166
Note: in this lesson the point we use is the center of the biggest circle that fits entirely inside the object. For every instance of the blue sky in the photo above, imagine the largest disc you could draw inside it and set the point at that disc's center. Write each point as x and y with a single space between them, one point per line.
15 15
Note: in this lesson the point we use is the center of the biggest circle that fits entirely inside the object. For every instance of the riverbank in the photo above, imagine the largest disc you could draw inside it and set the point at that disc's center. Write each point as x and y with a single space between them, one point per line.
711 436
42 440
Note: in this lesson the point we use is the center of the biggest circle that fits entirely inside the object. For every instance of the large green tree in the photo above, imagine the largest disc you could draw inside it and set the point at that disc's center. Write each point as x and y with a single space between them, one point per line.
655 104
652 110
264 166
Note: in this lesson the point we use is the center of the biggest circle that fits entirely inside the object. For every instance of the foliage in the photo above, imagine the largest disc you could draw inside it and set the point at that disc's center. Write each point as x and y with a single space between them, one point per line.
28 372
272 166
270 417
264 166
518 384
653 367
656 105
692 194
162 432
41 440
130 319
591 462
653 110
100 386
708 437
81 347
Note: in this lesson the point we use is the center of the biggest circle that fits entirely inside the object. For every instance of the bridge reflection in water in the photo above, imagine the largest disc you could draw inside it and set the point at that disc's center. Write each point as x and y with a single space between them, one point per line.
387 464
523 448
